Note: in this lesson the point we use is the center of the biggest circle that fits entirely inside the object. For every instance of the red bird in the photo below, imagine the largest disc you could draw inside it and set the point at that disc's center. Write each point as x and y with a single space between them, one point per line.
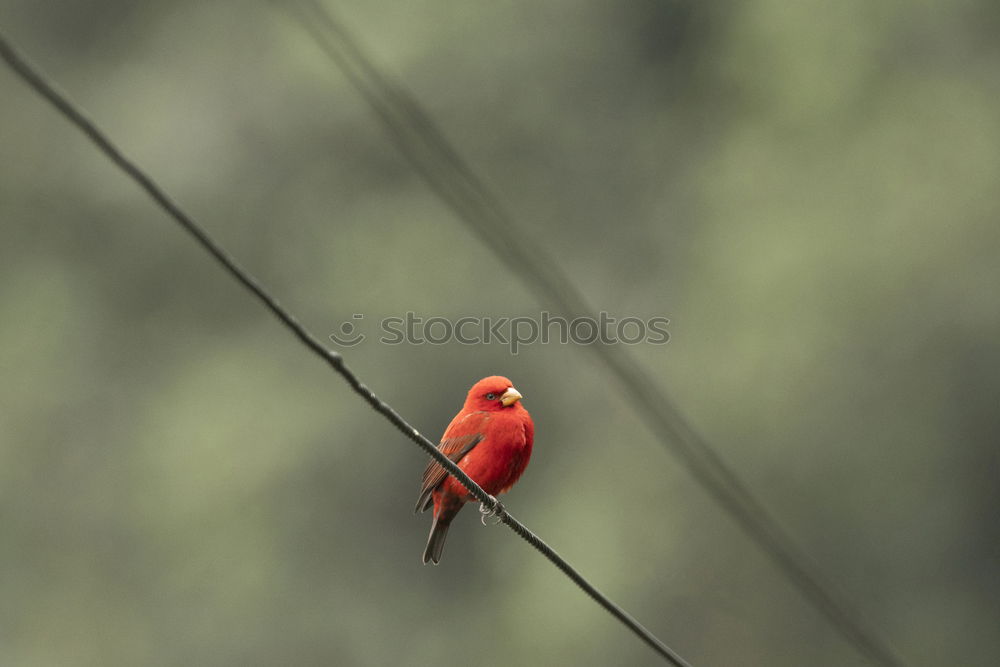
490 440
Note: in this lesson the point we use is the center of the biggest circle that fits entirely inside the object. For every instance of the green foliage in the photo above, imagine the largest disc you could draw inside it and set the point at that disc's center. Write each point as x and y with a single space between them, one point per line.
808 191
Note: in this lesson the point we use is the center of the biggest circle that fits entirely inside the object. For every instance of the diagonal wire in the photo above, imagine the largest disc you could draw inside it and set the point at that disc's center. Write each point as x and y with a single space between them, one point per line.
421 141
41 86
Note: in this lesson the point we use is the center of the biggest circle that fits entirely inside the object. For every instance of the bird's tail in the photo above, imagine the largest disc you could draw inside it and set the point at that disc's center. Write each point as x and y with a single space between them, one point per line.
435 541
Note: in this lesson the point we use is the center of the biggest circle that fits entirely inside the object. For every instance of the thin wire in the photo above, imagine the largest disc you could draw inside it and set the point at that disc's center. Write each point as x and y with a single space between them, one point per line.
421 141
40 85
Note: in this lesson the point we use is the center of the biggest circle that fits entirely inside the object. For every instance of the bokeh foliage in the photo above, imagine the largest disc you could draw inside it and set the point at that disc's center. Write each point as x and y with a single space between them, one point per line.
808 191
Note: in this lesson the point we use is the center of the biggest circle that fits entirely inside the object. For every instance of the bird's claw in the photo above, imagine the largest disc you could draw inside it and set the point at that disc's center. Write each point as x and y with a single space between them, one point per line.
497 511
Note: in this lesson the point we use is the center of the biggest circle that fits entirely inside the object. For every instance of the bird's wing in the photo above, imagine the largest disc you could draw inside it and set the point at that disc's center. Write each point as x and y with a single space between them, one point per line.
462 435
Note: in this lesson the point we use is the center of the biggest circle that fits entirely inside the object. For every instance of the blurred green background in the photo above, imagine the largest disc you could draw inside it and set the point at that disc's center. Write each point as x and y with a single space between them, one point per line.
808 191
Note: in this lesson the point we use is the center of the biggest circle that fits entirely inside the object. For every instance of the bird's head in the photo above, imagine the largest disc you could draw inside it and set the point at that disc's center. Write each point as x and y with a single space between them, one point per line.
492 394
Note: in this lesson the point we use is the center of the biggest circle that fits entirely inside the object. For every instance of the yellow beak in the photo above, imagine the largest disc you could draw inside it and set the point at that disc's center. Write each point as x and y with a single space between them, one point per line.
510 397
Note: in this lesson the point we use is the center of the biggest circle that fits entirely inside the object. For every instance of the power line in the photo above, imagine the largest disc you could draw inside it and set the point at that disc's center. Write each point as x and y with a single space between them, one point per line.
421 141
75 116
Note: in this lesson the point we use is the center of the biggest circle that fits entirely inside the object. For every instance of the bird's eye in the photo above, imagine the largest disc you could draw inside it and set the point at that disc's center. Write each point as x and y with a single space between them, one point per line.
491 396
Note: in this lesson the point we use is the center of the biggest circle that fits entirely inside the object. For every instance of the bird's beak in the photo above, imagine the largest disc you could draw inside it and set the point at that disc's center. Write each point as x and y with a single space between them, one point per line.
510 397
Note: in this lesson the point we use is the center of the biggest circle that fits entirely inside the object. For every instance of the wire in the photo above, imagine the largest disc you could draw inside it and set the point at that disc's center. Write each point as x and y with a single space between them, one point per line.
421 141
41 86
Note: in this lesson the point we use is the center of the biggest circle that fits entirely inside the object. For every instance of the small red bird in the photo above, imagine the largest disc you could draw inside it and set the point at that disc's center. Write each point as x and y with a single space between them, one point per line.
490 440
